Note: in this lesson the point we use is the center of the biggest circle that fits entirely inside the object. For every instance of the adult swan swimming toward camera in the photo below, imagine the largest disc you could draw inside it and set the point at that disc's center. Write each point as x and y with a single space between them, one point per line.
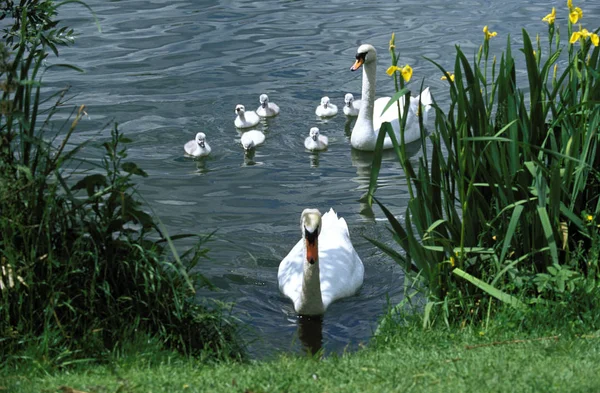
368 123
323 266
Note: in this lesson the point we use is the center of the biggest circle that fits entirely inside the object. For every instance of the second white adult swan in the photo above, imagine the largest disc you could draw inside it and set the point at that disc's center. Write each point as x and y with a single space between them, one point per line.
323 266
368 123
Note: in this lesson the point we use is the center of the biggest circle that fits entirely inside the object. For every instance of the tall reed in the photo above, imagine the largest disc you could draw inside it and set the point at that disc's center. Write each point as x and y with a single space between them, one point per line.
504 201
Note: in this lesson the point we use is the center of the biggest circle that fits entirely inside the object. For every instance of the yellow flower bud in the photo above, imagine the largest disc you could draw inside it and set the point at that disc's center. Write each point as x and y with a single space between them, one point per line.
488 34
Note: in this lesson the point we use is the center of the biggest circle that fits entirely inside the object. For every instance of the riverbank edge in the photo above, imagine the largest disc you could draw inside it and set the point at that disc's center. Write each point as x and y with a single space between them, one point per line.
500 359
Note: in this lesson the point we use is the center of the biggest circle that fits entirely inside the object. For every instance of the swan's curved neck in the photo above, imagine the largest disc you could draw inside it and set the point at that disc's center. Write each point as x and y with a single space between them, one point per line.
311 302
363 135
368 93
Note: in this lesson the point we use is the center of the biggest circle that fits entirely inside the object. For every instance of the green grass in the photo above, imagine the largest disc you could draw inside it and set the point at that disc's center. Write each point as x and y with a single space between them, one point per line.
409 360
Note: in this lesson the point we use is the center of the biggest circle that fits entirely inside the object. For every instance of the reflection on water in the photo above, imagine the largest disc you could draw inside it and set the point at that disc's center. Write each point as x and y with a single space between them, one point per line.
310 333
314 159
202 165
165 70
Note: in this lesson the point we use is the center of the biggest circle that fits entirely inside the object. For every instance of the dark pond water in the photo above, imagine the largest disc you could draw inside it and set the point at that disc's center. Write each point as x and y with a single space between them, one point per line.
165 70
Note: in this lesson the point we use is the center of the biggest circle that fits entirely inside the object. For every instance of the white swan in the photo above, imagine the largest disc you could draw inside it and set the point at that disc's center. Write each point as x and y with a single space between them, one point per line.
245 119
197 147
352 106
368 123
251 139
315 141
323 266
266 108
326 109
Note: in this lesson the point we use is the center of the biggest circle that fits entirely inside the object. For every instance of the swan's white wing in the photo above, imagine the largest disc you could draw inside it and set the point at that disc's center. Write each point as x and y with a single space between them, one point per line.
341 269
190 147
274 107
255 136
291 272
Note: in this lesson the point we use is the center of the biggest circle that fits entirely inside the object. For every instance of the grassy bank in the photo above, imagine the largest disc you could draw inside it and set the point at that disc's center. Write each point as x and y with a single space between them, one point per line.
501 359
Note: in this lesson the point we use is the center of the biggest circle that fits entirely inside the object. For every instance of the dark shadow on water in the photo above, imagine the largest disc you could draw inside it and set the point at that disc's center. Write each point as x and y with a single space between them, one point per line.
310 333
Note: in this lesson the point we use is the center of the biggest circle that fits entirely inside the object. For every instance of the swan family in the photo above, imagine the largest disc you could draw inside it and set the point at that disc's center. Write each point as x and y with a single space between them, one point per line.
323 265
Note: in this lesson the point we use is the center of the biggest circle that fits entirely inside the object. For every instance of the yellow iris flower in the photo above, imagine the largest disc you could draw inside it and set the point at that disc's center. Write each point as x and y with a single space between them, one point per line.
488 34
575 14
407 72
583 34
570 4
551 17
390 71
445 78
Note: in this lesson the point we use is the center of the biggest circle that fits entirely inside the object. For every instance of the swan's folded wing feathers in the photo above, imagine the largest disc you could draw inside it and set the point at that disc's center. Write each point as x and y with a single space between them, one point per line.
190 146
291 271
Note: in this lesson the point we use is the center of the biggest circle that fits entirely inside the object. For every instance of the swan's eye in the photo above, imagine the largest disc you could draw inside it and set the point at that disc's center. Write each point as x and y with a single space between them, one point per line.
361 56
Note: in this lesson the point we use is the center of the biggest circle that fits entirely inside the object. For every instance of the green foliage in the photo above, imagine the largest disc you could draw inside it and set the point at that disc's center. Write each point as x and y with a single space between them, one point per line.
505 199
83 266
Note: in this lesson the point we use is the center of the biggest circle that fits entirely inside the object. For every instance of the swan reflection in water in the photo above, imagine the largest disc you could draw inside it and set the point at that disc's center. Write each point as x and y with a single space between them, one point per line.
202 165
310 333
249 158
363 160
314 159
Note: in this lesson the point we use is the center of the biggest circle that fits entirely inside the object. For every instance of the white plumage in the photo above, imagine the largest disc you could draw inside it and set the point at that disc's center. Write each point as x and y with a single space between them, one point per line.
197 147
316 141
251 139
245 119
323 266
266 108
326 109
351 106
368 123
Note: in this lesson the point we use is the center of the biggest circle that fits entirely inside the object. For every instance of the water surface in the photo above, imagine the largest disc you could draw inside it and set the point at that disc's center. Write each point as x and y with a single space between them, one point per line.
165 70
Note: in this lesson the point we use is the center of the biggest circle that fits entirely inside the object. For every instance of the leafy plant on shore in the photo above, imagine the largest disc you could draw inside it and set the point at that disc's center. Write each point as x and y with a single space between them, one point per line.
504 203
83 267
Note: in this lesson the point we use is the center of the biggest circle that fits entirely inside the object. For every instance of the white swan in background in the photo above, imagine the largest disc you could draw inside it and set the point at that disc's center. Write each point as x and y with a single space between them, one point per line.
245 119
323 266
316 141
197 147
326 109
266 108
368 123
251 139
352 106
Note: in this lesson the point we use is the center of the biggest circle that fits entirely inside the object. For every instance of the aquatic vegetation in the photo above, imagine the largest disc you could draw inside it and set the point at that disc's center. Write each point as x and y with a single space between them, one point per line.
84 267
504 200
